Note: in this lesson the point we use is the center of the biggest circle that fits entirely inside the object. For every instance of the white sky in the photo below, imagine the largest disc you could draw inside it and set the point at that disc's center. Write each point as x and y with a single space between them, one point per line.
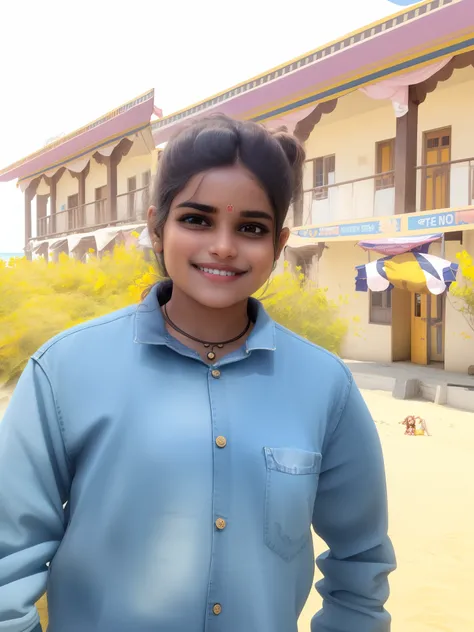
66 63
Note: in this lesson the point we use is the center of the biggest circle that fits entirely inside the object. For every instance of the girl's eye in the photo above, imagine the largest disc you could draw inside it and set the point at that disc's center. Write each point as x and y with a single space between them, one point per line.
194 220
254 229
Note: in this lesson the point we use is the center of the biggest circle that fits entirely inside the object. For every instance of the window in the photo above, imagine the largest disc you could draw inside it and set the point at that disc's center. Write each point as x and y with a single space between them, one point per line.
440 141
324 174
385 164
381 308
436 183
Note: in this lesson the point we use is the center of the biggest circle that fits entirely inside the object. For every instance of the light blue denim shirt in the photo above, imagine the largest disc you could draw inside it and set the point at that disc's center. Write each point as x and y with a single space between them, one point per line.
190 490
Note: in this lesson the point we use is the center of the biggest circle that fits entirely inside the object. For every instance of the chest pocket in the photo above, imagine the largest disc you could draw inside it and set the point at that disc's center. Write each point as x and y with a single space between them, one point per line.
292 483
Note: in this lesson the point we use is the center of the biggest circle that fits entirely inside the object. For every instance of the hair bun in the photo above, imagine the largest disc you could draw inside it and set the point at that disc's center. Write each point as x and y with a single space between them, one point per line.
294 153
291 146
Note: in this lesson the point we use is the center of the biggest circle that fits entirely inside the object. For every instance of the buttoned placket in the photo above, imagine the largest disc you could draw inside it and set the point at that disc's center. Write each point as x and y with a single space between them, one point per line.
222 444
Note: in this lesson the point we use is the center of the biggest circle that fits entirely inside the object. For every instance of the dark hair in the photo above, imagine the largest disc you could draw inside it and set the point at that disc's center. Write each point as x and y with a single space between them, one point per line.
275 157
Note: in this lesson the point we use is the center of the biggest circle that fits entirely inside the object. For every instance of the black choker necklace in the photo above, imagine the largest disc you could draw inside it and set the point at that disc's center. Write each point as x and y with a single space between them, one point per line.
207 345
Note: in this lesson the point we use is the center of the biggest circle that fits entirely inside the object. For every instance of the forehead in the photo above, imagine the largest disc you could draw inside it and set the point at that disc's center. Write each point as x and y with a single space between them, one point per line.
226 185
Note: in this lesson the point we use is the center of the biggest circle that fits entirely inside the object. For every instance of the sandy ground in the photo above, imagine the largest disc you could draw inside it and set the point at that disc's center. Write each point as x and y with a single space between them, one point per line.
431 496
431 503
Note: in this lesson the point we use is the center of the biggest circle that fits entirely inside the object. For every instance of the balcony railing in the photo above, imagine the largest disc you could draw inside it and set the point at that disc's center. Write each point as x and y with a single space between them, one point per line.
352 199
130 207
443 185
133 206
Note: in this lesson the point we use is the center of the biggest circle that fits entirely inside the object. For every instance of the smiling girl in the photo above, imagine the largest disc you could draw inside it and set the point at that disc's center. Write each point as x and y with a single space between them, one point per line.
168 460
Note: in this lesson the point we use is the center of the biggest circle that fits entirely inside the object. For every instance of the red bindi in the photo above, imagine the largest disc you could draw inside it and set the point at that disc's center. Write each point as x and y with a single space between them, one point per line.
230 208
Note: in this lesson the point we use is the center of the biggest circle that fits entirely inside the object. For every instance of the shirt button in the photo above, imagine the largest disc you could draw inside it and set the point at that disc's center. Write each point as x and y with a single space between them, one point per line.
216 374
221 524
221 442
217 608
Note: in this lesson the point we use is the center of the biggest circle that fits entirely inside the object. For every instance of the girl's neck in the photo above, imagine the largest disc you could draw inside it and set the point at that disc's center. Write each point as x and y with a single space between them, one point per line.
207 324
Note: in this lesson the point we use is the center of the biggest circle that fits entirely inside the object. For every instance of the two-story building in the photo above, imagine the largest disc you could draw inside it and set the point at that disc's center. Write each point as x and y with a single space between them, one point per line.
385 115
88 190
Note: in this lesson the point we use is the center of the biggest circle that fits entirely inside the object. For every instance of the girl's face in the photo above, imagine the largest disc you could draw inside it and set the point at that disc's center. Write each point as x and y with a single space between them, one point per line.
218 240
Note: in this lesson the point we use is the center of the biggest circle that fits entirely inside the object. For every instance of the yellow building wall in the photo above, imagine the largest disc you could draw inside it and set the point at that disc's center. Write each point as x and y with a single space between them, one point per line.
135 166
336 272
66 186
352 139
97 177
130 167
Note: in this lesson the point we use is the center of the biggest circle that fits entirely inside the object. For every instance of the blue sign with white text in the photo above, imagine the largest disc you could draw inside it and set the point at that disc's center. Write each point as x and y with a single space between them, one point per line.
440 220
356 229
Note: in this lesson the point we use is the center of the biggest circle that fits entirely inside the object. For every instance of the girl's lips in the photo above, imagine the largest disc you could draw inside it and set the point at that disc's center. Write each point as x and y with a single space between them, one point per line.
221 274
218 266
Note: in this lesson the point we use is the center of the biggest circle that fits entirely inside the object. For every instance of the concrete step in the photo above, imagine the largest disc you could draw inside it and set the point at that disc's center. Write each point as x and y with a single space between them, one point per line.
460 396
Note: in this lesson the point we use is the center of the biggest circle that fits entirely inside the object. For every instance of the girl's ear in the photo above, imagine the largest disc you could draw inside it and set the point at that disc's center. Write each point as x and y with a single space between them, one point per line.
156 240
282 240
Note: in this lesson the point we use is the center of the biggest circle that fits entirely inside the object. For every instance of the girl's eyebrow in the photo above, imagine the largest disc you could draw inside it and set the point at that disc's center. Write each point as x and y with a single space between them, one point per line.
257 215
207 208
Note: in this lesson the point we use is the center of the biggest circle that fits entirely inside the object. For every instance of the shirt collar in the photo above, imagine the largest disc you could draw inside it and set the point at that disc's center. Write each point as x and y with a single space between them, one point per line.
150 327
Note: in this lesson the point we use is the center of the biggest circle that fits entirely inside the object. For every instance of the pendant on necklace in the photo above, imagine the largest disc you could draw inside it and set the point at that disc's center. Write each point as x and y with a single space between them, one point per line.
211 355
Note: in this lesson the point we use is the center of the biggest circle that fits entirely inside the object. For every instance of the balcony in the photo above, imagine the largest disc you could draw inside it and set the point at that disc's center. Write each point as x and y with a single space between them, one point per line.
441 185
131 208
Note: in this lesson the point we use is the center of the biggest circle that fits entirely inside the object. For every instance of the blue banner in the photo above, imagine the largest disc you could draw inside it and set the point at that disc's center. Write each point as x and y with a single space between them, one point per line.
356 229
404 3
435 221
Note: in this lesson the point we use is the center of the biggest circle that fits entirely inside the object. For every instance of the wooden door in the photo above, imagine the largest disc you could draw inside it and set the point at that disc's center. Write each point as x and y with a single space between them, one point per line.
419 329
436 328
436 179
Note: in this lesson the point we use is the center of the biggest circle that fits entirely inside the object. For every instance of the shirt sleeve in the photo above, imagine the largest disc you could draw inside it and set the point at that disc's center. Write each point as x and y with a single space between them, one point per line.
34 486
350 515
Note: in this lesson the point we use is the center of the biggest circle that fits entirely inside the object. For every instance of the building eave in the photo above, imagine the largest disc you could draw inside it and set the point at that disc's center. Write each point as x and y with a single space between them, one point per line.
129 118
403 41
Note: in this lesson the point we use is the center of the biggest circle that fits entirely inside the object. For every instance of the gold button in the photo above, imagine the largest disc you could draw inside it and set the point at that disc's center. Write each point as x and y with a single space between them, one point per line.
221 442
216 374
217 608
221 523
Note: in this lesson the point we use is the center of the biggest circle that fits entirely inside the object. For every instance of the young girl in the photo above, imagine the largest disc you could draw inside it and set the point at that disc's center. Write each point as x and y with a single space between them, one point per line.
169 459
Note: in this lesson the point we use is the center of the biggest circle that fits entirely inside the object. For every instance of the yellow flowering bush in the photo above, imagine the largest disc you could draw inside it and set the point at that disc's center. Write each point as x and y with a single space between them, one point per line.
39 300
305 309
464 291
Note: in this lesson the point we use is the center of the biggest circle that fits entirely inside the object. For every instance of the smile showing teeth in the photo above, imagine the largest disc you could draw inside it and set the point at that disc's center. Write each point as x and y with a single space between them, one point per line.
217 272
